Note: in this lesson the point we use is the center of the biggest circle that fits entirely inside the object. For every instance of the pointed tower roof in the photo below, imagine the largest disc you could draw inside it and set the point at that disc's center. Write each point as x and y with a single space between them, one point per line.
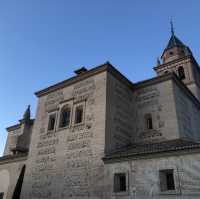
174 41
27 114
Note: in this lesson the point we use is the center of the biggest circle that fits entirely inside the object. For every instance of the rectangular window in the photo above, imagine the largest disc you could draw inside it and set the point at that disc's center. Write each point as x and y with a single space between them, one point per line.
1 195
149 121
167 180
79 114
65 117
52 122
120 182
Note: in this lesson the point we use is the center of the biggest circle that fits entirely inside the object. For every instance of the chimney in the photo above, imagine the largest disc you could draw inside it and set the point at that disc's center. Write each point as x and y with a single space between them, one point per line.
80 71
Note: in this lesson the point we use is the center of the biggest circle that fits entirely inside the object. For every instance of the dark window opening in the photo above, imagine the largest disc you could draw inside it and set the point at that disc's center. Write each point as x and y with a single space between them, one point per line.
1 195
52 122
171 53
170 181
181 73
149 121
65 117
167 180
119 182
79 115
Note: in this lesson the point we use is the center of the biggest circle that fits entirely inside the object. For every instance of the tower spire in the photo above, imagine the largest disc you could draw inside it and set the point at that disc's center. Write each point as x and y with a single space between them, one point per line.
27 114
172 27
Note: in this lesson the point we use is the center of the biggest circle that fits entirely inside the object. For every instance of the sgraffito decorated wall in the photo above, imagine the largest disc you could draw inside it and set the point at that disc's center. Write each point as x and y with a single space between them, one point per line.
156 99
188 114
66 162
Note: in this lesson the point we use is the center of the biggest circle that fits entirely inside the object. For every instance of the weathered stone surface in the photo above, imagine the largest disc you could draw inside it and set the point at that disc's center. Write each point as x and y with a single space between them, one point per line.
66 163
144 182
10 169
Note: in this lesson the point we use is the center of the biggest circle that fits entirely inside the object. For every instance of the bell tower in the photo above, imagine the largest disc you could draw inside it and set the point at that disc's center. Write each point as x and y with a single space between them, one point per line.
178 58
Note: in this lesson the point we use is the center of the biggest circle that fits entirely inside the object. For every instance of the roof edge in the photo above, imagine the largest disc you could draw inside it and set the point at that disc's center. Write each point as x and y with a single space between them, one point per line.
13 158
166 77
13 127
124 154
96 70
108 160
16 126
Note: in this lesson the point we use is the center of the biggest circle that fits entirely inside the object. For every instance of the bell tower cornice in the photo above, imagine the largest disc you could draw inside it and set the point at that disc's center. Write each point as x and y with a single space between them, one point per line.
190 58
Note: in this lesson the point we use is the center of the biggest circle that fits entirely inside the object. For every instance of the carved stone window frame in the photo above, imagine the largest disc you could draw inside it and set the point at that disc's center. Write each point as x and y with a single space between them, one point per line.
176 175
124 171
68 105
75 106
50 114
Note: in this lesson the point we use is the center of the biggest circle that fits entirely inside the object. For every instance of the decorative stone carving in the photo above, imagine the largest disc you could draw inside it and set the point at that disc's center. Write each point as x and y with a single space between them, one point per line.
53 100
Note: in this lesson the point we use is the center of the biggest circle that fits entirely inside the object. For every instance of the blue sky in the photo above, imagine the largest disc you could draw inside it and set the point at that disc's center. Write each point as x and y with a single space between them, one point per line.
43 42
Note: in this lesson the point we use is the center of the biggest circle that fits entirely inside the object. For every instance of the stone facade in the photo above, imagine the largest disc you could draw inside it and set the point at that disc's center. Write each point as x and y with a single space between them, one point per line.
66 162
10 169
144 181
118 139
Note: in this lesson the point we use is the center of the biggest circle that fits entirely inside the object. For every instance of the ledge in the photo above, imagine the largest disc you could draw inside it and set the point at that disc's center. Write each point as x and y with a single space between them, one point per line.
13 158
153 150
94 71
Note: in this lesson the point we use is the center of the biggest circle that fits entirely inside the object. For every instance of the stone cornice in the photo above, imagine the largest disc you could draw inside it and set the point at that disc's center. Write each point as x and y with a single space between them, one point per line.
153 150
172 62
94 71
13 158
152 81
165 77
17 126
108 160
189 57
13 127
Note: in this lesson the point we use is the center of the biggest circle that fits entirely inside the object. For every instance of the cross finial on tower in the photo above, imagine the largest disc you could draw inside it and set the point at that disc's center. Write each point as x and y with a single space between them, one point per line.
172 27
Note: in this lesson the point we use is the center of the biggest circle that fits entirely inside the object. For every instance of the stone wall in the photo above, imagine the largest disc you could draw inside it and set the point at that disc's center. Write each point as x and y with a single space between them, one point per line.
66 163
156 99
11 141
9 174
188 114
126 110
18 136
119 114
192 74
144 181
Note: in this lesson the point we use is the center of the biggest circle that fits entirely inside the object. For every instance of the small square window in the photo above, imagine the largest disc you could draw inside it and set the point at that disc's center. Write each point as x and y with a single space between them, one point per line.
167 180
120 182
1 195
52 122
79 114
